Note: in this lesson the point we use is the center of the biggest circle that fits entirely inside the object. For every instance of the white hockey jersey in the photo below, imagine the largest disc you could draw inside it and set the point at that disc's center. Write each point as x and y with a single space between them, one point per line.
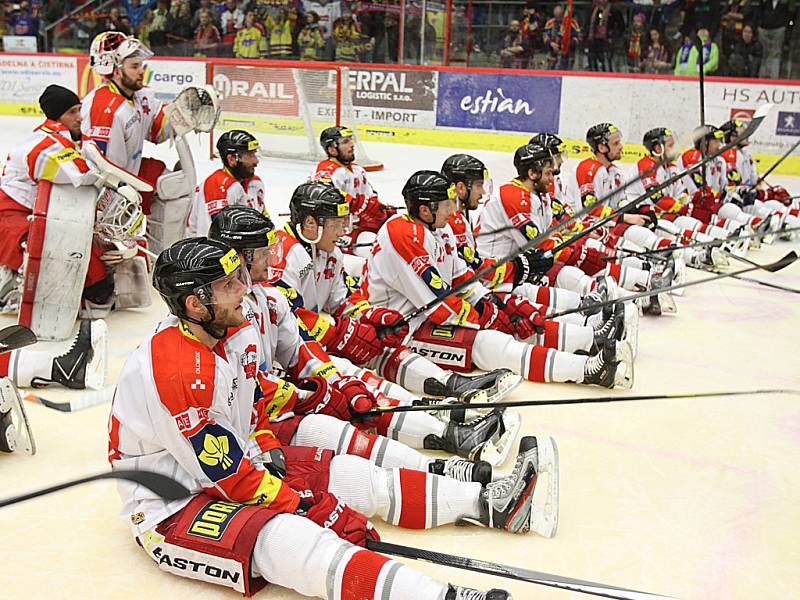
186 411
221 189
120 125
715 174
591 181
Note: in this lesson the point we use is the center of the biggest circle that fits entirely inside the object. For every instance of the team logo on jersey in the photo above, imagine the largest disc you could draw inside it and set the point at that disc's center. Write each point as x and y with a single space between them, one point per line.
330 267
434 281
248 360
419 264
217 451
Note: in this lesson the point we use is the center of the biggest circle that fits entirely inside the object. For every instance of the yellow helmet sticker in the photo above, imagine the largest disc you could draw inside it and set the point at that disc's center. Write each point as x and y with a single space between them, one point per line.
252 145
230 262
346 132
451 192
272 237
342 210
612 129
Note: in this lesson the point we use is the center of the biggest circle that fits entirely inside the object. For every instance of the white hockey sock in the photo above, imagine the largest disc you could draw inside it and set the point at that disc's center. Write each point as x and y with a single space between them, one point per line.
627 277
575 280
408 498
408 369
568 337
25 364
556 298
384 386
341 437
411 429
298 554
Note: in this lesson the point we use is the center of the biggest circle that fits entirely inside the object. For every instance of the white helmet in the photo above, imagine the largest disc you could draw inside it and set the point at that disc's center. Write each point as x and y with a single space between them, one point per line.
110 48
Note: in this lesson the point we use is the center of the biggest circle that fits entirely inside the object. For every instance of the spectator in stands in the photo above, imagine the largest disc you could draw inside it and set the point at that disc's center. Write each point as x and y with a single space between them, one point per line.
115 22
135 10
145 27
250 41
746 54
531 27
203 6
561 36
22 21
310 41
637 43
657 12
160 24
686 58
181 27
392 26
658 54
206 36
347 39
734 14
279 33
231 21
772 18
701 14
328 12
371 17
514 48
605 27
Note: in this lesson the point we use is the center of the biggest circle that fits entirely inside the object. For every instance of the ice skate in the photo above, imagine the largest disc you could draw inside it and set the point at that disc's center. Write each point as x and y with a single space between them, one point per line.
459 415
544 512
663 302
84 364
497 384
621 325
461 469
15 429
486 438
611 367
456 592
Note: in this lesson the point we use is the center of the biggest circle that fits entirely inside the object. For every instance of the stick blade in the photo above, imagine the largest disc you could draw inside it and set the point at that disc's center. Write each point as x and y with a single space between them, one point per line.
14 337
782 263
763 110
159 484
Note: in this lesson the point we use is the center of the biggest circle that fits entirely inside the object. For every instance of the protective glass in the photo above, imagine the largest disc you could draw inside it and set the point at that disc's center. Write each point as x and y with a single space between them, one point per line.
228 289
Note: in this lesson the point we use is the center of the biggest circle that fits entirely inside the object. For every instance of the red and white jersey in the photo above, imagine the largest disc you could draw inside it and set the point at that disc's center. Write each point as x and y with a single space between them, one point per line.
319 285
186 411
591 182
49 154
716 172
350 180
740 167
517 207
221 189
120 125
411 265
747 167
653 178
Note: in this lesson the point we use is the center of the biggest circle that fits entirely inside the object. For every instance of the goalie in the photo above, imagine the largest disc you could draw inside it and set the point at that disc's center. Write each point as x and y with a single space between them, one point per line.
122 113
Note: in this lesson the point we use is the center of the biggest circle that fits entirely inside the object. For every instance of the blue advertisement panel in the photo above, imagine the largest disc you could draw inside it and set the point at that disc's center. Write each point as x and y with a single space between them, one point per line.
505 102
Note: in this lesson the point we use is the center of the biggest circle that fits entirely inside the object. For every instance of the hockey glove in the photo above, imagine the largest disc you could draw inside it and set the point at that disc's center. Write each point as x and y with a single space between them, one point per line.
491 315
324 399
331 513
524 316
530 266
777 192
273 461
371 214
356 394
353 340
748 196
385 321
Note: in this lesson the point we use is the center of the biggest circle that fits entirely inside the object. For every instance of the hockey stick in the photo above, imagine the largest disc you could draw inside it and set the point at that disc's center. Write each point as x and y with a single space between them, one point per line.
85 400
509 572
161 485
749 280
480 273
774 166
772 268
561 402
479 234
14 337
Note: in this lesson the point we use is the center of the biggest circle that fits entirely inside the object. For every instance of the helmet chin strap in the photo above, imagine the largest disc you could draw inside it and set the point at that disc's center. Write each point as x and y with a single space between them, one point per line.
207 324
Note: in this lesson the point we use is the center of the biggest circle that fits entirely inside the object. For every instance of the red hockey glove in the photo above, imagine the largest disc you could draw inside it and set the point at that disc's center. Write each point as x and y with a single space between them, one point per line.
356 393
384 319
777 192
324 399
354 340
491 317
331 513
371 214
524 316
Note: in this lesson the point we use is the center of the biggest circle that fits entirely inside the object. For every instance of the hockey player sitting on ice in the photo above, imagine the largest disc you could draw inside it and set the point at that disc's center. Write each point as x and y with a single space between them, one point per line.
311 273
324 395
742 177
261 513
367 211
531 302
235 184
415 262
121 113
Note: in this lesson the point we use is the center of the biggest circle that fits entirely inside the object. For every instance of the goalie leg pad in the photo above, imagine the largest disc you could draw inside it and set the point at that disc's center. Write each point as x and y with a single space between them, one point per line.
444 345
59 246
132 285
15 429
167 222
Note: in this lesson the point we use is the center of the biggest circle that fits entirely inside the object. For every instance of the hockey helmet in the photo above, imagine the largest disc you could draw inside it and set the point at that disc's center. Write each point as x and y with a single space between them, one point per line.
318 199
110 48
333 135
655 136
600 134
428 188
531 156
731 129
464 168
247 230
706 133
236 141
550 141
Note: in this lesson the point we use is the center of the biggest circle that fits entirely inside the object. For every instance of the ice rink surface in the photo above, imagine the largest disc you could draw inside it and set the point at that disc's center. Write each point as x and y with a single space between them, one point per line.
694 498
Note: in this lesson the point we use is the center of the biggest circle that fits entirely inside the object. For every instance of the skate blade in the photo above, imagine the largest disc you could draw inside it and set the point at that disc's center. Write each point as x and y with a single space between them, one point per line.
680 276
10 400
668 304
623 378
96 370
632 327
718 258
496 452
504 386
544 514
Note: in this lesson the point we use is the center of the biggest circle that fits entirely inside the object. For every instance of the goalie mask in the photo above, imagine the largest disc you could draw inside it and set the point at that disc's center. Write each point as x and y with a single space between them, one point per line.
207 269
110 48
466 169
322 201
120 219
252 234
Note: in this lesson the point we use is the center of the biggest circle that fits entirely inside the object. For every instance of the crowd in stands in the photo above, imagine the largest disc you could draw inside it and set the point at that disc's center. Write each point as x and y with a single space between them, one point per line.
743 38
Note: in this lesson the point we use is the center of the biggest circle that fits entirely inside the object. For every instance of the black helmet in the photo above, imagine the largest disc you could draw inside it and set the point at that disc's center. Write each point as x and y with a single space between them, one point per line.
331 136
190 266
235 141
706 133
318 199
428 188
599 134
242 227
655 136
464 168
530 156
730 129
550 141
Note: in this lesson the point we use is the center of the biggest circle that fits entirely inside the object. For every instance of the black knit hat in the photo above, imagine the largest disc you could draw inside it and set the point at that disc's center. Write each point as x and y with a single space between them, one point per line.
56 100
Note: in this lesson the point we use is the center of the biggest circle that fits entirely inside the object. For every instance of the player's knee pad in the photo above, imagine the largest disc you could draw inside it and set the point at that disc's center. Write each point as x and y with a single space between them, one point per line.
447 346
497 350
323 431
641 235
